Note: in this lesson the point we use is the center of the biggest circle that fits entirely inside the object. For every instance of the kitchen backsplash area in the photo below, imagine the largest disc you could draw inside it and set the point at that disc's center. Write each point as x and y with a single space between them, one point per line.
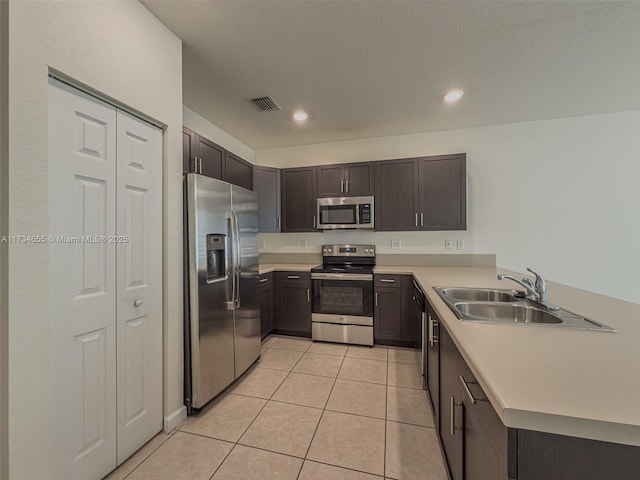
385 242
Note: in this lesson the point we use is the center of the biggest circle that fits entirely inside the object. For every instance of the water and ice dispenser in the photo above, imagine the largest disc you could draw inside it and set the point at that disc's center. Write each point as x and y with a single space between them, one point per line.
216 255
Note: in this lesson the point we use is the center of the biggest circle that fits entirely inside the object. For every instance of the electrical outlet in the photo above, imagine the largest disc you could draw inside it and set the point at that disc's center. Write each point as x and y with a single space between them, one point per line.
460 244
448 244
263 244
303 243
396 245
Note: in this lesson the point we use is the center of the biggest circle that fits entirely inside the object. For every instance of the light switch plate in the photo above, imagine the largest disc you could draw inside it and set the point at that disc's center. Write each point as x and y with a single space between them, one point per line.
396 245
448 244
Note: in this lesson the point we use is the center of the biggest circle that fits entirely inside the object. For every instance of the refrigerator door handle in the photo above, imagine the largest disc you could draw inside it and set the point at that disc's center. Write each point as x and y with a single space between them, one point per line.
236 261
229 268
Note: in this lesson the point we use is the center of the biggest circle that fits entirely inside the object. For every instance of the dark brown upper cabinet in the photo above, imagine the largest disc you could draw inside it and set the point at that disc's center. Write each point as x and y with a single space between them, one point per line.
396 195
209 158
346 180
201 155
442 203
266 183
238 171
427 193
188 150
298 186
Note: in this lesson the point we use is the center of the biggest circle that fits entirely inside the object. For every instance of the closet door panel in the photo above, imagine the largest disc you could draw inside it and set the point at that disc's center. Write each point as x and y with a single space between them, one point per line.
139 283
82 294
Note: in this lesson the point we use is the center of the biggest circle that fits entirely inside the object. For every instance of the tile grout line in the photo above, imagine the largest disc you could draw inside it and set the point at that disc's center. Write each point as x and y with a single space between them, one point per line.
322 414
223 460
237 442
146 457
386 407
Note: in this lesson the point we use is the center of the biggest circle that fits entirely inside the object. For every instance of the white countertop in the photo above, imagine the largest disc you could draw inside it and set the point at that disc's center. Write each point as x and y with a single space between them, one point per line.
291 267
572 382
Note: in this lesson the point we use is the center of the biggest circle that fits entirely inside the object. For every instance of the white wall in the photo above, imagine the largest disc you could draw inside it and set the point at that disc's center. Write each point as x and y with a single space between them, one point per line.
561 196
204 127
121 50
4 213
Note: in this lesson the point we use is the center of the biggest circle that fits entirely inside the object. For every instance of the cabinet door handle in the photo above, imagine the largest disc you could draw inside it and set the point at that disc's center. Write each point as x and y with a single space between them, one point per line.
308 296
262 280
346 183
430 330
416 219
278 219
376 299
387 280
293 277
314 222
200 164
467 391
422 219
341 186
453 404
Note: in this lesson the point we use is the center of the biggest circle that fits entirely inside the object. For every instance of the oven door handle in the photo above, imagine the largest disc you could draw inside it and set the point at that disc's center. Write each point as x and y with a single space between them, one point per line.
342 276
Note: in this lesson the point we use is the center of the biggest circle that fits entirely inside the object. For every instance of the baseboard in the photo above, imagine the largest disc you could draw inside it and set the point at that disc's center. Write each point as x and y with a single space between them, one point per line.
172 421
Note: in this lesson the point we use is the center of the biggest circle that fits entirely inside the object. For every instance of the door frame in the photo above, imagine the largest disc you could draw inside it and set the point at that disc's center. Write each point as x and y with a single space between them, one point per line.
171 420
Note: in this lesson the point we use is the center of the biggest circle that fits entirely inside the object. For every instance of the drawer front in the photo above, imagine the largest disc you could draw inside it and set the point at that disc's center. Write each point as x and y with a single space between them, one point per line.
382 280
266 279
352 334
304 278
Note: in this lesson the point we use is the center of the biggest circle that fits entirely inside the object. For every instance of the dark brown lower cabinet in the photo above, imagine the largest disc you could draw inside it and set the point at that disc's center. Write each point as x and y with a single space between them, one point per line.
394 315
432 342
478 446
486 439
267 304
451 408
293 303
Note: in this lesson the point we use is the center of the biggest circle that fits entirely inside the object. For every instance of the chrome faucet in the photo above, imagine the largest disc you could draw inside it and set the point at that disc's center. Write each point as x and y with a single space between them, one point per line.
537 291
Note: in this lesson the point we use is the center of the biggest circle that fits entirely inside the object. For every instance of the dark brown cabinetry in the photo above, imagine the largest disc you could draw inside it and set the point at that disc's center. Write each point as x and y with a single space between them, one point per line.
293 303
432 342
451 412
427 193
267 305
394 318
266 183
238 171
396 193
442 203
346 180
298 199
478 446
486 439
201 155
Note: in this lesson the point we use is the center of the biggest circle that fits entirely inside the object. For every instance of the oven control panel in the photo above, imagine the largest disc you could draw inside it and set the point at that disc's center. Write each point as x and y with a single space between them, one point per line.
348 250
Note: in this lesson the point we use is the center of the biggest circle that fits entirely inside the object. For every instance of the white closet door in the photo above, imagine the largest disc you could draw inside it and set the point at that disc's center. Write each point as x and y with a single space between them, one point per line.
82 212
139 283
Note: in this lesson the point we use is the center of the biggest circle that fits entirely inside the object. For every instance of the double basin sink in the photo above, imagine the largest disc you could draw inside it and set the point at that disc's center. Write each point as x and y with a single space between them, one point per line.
510 307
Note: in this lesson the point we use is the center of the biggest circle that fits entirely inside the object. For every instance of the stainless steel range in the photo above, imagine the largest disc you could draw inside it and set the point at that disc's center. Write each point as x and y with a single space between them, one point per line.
342 307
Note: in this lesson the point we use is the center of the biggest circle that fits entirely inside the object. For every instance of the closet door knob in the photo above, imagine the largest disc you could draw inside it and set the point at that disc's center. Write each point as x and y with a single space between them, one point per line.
137 303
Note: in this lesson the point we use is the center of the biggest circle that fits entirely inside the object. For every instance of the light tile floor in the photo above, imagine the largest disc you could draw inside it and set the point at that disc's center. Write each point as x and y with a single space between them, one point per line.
305 411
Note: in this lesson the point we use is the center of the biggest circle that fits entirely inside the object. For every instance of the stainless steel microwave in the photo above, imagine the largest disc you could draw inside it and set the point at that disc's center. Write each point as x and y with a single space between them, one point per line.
345 212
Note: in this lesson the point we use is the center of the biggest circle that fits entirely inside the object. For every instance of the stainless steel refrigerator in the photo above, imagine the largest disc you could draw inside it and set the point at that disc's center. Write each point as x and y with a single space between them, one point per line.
222 311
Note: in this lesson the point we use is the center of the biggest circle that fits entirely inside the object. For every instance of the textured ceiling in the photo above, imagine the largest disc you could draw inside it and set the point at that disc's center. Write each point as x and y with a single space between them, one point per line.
367 69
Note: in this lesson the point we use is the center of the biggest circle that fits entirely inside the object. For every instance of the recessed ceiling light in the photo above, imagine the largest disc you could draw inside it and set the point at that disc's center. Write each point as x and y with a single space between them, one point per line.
453 95
300 116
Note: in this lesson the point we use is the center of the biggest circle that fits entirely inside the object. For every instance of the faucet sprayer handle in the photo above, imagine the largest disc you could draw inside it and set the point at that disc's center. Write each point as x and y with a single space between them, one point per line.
541 285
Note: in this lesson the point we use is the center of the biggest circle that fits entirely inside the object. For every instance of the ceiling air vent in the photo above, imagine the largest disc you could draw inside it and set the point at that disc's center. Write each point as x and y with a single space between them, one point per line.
266 104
